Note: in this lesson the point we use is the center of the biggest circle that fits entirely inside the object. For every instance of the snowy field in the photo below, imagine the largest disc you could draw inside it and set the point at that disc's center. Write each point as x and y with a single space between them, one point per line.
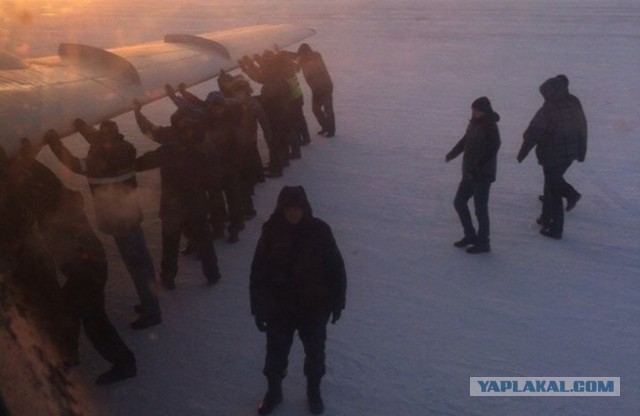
422 316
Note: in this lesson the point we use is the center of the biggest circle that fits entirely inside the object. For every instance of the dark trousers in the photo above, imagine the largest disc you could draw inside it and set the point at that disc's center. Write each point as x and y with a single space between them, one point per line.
133 249
84 300
232 188
300 123
199 233
322 108
480 194
554 188
312 330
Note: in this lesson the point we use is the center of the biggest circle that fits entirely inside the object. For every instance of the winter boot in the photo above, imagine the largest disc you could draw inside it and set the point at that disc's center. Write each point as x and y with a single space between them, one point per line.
117 373
316 406
466 241
146 321
479 248
547 232
572 200
272 398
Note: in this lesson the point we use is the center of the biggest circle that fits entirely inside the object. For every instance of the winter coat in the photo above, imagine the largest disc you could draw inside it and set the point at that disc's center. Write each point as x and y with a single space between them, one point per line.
296 268
315 72
185 172
480 145
110 171
558 130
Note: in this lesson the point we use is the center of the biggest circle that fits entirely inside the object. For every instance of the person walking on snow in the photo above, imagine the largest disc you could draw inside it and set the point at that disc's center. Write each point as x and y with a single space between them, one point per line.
480 146
558 131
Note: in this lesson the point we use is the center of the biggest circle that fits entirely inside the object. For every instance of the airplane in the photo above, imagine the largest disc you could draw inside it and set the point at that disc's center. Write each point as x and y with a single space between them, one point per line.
96 84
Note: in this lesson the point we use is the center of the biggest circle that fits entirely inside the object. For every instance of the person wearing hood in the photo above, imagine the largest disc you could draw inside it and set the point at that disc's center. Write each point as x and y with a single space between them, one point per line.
480 145
558 131
298 283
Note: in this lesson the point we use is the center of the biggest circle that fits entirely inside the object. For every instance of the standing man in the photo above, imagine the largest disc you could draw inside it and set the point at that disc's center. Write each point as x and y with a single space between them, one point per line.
185 172
110 171
317 76
559 133
298 282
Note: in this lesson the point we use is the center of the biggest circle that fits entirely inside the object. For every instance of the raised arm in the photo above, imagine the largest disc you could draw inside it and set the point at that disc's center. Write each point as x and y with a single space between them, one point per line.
90 133
63 154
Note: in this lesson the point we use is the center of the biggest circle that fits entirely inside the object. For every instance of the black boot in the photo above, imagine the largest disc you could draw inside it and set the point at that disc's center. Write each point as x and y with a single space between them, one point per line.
272 398
466 241
316 406
572 200
117 373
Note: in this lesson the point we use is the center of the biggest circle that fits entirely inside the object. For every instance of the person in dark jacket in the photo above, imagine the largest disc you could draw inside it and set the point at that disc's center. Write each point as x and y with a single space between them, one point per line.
480 145
317 76
79 255
253 115
184 178
275 98
298 282
558 131
110 170
568 192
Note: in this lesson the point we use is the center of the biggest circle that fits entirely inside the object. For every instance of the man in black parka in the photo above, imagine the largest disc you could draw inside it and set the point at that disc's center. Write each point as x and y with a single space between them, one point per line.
298 282
558 131
480 145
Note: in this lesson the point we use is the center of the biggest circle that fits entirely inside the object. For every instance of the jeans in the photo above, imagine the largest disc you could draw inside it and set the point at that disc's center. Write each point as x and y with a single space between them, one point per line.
136 257
480 194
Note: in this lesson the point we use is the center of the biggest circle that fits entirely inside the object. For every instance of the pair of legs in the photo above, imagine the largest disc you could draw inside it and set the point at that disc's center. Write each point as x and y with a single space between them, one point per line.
480 194
298 120
197 230
312 330
84 300
322 108
552 206
133 249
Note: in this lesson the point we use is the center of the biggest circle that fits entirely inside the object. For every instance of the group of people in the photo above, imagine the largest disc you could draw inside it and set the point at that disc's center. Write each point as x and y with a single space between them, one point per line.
209 164
558 131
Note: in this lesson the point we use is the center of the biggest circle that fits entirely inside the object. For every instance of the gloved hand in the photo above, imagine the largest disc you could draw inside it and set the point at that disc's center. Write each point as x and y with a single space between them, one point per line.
335 316
137 105
261 324
51 136
78 123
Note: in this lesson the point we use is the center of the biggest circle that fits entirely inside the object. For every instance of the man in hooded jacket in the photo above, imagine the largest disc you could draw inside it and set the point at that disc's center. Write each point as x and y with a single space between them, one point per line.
298 282
558 131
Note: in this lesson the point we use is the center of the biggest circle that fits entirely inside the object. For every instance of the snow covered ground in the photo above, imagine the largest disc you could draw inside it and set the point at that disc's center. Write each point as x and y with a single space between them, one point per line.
422 316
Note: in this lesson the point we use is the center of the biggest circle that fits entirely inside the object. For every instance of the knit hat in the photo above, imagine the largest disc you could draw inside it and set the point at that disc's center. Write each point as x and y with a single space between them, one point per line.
482 104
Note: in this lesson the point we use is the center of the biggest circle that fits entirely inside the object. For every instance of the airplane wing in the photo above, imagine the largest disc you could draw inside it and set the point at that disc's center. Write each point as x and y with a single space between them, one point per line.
97 84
